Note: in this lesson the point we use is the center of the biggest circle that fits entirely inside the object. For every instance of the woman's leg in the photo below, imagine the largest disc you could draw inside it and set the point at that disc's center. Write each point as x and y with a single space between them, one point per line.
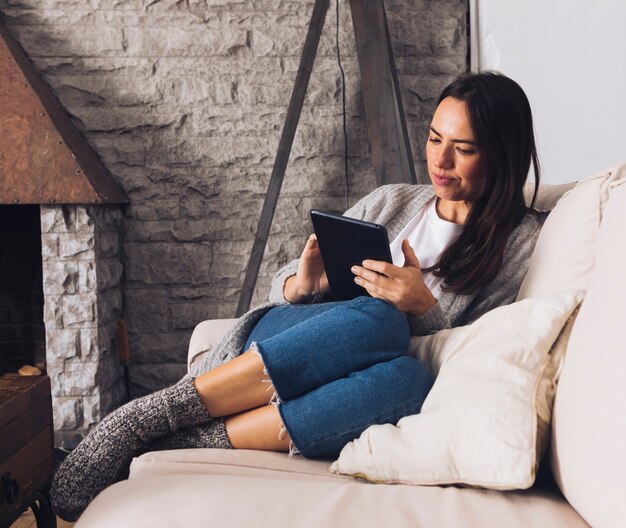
320 349
260 428
323 421
326 419
349 337
303 347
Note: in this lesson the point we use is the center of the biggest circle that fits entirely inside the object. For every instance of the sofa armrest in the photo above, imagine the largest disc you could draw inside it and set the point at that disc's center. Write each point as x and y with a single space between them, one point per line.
548 195
205 336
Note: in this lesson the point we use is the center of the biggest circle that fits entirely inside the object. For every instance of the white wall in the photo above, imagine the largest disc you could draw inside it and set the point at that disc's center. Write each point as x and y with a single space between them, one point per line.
570 58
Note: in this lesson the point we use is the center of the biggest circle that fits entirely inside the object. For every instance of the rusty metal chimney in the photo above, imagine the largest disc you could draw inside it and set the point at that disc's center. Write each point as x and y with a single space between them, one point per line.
44 157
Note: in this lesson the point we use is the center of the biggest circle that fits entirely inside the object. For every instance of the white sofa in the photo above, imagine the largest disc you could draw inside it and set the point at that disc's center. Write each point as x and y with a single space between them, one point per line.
243 488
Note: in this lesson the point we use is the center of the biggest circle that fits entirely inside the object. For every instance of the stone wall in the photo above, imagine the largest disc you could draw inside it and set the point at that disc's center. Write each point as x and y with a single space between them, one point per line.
82 276
185 100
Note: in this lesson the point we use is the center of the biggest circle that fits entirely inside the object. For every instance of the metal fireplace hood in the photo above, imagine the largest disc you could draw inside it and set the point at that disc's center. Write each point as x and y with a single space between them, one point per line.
44 157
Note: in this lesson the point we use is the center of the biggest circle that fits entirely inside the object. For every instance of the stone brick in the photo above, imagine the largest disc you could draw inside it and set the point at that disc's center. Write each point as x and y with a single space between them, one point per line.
129 150
49 246
77 246
86 276
148 378
109 306
86 343
66 219
99 405
109 273
73 377
163 347
163 263
159 209
101 41
107 217
70 311
60 277
147 311
108 244
67 412
185 316
114 396
178 41
92 410
109 371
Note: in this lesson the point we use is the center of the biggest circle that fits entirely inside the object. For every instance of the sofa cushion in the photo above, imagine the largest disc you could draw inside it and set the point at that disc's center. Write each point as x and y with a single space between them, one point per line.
238 488
478 424
589 427
564 255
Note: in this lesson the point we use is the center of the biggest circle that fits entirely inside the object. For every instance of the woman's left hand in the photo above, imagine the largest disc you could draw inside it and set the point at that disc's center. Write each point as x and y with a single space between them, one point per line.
404 286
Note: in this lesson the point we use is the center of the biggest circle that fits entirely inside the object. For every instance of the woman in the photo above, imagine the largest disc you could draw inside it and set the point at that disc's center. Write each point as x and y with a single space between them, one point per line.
335 368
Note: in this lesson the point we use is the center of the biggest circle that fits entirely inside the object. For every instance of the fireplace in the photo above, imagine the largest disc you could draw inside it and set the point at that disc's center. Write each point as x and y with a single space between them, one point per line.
60 259
22 331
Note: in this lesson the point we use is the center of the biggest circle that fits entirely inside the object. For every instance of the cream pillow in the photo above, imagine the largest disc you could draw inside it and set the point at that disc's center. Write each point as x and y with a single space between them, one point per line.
565 252
478 425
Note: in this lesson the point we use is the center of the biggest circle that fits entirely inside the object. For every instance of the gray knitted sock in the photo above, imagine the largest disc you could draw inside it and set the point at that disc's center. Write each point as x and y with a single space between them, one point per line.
105 453
212 434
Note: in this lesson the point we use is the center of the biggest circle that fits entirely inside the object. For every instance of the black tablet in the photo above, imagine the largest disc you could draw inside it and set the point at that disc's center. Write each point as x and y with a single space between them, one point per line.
344 242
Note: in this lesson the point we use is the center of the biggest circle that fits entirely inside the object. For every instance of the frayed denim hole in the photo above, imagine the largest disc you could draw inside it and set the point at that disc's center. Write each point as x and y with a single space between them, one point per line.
275 398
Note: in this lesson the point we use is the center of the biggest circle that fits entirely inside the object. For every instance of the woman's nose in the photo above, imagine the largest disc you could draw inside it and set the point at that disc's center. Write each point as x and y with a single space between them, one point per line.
443 160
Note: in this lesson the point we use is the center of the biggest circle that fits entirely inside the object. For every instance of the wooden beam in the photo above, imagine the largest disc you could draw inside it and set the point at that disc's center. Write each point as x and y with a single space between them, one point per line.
282 156
386 125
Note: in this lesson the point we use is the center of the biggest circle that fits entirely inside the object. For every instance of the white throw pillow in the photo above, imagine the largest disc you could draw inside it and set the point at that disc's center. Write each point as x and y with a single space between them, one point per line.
478 425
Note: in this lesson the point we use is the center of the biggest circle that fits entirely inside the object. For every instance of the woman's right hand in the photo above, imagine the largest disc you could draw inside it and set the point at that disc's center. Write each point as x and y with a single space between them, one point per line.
310 278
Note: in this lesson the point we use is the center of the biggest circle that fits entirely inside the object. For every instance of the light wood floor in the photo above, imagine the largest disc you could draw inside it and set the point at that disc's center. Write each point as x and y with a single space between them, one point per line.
27 520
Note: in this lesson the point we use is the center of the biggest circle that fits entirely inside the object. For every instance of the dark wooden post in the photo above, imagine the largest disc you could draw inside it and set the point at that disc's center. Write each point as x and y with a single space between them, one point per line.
386 125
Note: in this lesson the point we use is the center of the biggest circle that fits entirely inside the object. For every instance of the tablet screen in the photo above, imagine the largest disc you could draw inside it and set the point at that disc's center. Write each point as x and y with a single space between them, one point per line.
344 242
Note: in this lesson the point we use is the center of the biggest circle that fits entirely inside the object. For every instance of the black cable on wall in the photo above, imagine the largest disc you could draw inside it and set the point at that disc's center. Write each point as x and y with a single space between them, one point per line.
343 94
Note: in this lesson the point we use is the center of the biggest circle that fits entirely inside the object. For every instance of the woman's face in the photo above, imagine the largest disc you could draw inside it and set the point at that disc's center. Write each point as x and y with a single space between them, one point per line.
454 161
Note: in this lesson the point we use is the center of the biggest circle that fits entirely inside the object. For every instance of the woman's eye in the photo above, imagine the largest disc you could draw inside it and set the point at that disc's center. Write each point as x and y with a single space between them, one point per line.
463 151
434 140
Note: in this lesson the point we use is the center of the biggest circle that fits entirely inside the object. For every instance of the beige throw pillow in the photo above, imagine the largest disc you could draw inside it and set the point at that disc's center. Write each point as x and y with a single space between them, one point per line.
479 423
565 252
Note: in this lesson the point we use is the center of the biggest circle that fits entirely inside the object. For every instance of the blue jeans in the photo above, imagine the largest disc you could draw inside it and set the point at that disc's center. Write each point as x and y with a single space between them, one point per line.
338 368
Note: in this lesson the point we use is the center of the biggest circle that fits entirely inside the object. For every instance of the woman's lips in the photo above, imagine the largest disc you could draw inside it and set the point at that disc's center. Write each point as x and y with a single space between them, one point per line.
442 180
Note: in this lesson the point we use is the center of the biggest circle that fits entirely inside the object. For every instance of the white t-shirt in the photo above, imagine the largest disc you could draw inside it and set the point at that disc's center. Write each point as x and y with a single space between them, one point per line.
429 237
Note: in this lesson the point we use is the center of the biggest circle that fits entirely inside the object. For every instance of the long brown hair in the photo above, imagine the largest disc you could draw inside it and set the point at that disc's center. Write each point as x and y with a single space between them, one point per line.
502 123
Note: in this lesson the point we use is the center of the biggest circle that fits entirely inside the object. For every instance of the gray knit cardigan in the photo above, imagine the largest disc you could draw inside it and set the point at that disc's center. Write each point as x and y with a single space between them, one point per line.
394 206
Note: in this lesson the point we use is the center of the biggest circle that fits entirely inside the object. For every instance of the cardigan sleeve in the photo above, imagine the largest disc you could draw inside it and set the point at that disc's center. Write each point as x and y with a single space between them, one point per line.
429 322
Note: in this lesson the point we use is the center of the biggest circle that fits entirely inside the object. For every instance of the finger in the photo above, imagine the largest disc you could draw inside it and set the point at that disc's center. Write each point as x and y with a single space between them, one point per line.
380 266
374 290
410 258
379 284
311 243
370 276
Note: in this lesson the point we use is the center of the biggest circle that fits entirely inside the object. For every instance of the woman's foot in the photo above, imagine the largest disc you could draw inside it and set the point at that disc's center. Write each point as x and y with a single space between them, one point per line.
103 457
212 434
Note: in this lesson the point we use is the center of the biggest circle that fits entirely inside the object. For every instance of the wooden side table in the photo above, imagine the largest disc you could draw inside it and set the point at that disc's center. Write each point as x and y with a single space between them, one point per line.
26 448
